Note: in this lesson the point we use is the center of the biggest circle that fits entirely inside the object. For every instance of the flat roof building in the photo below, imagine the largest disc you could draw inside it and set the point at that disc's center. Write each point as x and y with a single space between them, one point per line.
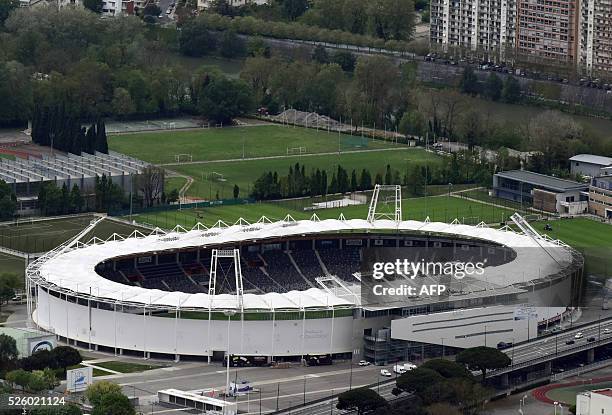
589 164
29 341
545 193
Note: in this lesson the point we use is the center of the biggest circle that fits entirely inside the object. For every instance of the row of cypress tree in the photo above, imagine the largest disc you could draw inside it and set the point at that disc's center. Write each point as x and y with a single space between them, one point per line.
55 127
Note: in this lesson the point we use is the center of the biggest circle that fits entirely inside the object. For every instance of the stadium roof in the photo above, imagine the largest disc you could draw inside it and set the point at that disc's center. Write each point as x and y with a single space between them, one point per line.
71 166
542 180
73 269
592 159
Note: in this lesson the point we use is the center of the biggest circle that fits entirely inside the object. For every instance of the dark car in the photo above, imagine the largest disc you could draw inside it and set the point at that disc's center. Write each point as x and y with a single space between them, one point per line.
570 342
591 339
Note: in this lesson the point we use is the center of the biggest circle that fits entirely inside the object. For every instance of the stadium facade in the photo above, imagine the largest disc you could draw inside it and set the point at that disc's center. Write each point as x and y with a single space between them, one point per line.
288 289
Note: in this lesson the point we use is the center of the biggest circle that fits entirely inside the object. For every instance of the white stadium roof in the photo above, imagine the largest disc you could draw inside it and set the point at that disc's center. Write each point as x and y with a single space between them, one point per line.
72 268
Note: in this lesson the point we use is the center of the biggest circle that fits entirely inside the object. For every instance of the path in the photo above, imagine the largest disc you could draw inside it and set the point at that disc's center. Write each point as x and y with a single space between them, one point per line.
328 153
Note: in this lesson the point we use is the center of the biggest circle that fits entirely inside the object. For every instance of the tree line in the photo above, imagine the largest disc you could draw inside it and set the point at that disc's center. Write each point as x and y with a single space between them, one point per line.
461 167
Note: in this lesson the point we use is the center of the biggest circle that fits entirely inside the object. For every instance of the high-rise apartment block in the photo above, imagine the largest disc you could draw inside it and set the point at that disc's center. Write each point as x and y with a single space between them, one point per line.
595 55
566 32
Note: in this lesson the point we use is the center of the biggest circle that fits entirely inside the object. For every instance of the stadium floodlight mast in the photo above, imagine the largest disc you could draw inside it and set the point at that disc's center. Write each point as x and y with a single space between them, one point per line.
228 314
397 199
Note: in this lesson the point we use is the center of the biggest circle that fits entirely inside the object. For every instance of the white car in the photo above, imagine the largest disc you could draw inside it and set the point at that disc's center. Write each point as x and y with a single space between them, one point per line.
579 335
607 330
385 372
364 363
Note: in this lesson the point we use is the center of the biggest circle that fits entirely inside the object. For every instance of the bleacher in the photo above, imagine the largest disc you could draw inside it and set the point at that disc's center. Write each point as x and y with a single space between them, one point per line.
307 262
281 270
342 263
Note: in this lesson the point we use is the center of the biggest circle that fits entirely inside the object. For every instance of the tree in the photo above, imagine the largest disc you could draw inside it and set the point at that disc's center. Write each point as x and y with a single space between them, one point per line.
151 9
66 356
293 9
223 99
511 93
93 5
231 45
442 408
8 202
76 199
67 409
8 352
418 380
195 39
236 191
483 358
319 54
122 103
362 399
150 183
412 123
113 403
8 284
6 7
469 82
391 19
447 368
345 59
493 87
96 391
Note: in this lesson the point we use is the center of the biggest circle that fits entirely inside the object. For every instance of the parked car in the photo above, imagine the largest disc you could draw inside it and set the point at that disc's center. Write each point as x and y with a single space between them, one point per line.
364 363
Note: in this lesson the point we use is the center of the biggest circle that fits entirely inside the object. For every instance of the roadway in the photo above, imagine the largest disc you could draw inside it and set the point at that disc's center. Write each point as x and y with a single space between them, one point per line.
550 347
273 388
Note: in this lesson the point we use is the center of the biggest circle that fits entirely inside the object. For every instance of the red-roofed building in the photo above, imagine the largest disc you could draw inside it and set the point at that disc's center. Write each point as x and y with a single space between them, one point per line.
596 402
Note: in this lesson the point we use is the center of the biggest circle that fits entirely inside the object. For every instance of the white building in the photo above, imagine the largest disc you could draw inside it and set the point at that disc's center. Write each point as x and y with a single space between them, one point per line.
589 164
204 4
595 45
598 402
487 26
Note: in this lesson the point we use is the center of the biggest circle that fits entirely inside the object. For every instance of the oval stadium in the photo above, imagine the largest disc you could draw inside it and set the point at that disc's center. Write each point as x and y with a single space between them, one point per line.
287 290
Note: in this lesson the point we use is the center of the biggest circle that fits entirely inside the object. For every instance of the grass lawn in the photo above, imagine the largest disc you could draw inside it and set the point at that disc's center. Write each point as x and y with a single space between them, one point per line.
172 183
126 367
12 265
592 238
244 173
45 235
438 208
568 394
579 232
233 143
7 156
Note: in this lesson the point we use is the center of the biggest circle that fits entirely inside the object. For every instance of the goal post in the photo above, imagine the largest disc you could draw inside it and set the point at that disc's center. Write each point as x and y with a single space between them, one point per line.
183 157
296 150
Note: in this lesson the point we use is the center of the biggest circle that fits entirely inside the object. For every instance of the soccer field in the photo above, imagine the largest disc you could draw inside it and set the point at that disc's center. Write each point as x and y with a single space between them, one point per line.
236 143
212 177
437 208
12 265
42 236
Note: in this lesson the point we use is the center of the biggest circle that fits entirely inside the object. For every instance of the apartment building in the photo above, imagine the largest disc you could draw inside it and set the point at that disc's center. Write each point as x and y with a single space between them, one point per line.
483 26
547 31
595 46
543 31
119 7
600 196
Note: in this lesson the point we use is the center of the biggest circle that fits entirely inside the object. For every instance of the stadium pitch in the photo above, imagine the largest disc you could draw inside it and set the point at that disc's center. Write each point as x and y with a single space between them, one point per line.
235 143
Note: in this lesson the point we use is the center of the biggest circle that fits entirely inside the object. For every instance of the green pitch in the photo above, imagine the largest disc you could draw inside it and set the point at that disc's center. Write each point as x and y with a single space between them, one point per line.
234 143
583 233
12 265
42 236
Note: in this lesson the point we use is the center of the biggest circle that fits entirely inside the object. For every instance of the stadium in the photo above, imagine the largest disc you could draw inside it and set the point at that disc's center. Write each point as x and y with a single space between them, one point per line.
290 290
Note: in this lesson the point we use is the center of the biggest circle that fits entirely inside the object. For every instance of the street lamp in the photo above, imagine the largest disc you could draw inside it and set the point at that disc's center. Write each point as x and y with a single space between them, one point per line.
228 314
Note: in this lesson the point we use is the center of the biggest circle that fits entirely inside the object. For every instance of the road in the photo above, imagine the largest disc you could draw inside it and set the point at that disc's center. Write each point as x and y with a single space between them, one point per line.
282 388
550 346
